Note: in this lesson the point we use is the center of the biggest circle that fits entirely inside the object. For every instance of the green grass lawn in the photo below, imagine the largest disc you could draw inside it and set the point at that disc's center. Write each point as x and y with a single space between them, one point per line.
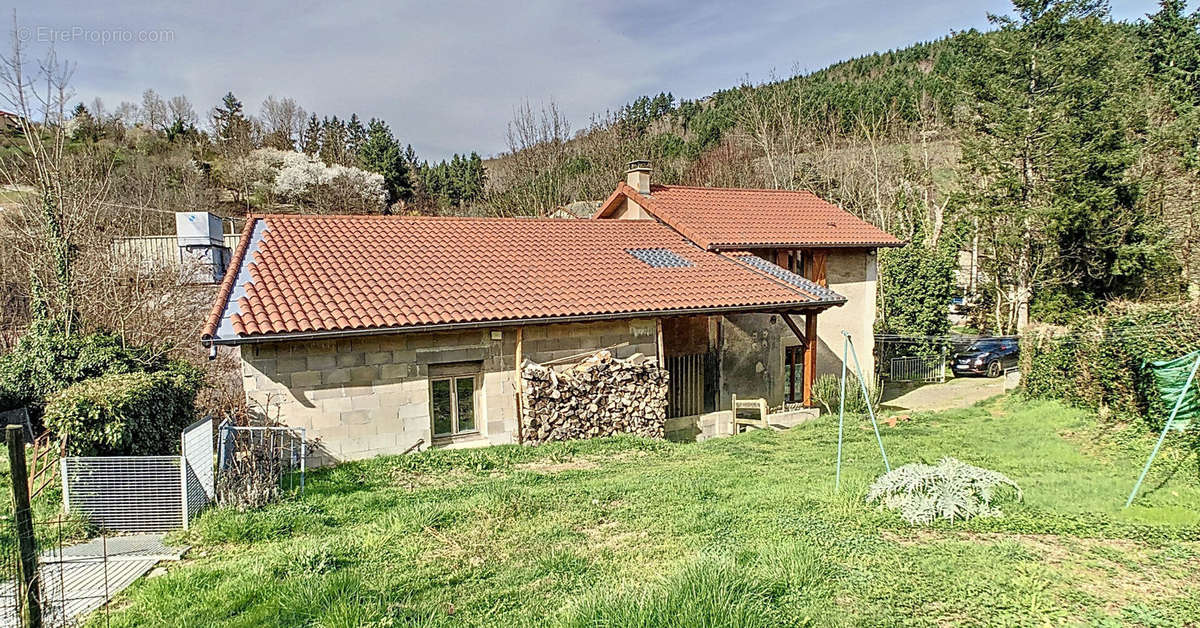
744 531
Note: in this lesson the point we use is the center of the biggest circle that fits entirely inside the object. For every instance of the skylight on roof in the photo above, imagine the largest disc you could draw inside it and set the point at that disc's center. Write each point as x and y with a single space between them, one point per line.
659 258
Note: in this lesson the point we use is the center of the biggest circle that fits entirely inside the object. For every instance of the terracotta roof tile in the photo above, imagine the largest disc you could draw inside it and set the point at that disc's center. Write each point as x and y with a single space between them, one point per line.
737 218
296 274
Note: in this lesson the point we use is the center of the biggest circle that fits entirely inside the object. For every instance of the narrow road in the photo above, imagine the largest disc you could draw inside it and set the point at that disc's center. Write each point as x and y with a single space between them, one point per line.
958 392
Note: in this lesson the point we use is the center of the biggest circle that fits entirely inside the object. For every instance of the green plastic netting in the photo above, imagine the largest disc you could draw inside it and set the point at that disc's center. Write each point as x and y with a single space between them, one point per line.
1170 376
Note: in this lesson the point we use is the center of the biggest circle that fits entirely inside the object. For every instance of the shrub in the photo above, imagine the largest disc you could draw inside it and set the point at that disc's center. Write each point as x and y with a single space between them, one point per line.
47 360
827 392
1099 362
948 490
125 413
916 282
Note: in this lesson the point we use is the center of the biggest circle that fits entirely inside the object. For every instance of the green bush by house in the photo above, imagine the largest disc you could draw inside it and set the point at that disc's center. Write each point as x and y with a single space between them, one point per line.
47 360
827 391
125 413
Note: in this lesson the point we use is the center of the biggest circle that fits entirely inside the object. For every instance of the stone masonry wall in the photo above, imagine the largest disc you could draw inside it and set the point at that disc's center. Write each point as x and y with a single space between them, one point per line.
754 345
367 396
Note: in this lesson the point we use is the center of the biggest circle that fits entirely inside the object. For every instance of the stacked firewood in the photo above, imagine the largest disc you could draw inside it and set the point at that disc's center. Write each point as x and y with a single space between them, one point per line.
599 396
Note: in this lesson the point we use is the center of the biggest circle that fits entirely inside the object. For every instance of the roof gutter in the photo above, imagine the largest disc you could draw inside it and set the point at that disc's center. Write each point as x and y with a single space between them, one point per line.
773 308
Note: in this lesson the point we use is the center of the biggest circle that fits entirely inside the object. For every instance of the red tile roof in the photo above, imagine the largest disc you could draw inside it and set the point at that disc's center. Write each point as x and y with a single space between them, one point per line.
314 274
736 218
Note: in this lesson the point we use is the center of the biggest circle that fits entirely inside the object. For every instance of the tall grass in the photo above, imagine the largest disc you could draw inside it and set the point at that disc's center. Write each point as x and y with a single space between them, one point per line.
759 590
743 531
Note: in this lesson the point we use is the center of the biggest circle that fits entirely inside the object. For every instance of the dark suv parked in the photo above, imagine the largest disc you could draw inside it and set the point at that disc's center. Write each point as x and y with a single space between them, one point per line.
986 356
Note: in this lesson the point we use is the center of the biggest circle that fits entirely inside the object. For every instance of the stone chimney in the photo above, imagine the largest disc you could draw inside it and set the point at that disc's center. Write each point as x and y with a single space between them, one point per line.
638 176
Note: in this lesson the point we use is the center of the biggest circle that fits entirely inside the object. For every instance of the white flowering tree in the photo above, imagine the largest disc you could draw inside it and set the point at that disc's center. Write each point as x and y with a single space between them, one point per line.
305 180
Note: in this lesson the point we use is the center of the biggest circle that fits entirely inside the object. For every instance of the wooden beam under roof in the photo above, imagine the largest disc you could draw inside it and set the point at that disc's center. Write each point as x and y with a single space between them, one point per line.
808 338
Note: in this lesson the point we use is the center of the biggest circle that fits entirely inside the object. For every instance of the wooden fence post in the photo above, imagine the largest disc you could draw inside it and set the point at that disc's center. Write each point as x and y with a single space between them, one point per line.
27 568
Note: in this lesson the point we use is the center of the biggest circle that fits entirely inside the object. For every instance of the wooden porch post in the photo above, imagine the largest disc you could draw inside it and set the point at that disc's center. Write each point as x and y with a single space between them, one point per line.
810 357
809 339
519 357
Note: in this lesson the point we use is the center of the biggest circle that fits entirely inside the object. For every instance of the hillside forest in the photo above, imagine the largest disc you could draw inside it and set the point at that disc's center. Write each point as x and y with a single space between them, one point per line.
1060 149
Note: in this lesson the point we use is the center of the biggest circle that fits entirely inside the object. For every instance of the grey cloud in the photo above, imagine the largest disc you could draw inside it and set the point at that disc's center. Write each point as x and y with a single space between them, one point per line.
446 75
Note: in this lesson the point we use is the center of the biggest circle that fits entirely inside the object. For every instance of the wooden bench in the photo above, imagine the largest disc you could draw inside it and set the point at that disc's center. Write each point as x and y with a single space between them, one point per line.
749 404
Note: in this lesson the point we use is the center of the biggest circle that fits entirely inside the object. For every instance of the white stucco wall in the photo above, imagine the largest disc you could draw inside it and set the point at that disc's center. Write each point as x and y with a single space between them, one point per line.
853 274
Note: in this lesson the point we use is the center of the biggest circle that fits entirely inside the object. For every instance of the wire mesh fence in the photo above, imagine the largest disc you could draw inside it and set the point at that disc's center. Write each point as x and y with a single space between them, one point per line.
51 574
74 583
143 493
257 465
76 578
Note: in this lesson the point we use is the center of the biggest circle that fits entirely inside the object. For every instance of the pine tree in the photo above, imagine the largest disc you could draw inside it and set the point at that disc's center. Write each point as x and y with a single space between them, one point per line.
356 134
1046 149
85 127
1171 40
333 141
229 124
310 141
1171 47
380 152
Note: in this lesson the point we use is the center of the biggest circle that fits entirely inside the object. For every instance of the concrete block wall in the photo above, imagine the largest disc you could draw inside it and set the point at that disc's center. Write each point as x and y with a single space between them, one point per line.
546 343
369 395
701 427
752 348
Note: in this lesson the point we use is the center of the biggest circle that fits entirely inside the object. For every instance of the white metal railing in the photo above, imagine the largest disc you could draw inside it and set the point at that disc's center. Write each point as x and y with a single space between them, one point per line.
285 447
917 369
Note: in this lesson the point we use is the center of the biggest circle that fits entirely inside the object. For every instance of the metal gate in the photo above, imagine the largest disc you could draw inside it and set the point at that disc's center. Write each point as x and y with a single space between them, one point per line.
199 485
143 493
685 388
917 369
125 493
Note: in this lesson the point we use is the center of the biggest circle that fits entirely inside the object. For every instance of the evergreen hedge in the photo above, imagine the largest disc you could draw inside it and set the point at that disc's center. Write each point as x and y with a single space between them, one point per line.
1099 362
47 360
125 414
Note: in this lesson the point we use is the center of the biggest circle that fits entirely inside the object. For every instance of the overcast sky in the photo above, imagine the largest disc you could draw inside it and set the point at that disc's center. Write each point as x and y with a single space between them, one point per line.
447 74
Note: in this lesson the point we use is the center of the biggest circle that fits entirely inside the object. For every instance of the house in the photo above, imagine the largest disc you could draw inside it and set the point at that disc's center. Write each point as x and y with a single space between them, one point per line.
370 330
578 209
200 248
9 121
788 229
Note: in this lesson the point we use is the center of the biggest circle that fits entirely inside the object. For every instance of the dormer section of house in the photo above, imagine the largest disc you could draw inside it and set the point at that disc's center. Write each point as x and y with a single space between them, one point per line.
623 204
793 229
